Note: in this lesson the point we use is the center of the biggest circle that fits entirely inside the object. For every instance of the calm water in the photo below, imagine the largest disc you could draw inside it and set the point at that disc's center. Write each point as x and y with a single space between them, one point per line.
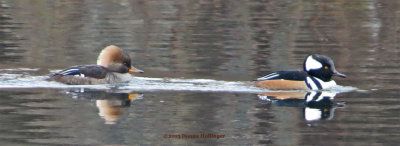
199 58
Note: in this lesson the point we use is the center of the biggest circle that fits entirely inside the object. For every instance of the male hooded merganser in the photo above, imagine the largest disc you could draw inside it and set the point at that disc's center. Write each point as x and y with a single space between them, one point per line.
113 66
317 75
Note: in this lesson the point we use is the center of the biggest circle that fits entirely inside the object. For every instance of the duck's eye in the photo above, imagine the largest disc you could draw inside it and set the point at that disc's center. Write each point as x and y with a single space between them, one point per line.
326 67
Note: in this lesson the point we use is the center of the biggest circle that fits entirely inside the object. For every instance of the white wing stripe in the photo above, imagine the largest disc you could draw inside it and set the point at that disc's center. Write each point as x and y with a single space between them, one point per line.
269 76
66 72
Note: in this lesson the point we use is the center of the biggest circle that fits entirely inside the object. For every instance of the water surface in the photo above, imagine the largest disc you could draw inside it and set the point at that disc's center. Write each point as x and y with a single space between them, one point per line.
199 59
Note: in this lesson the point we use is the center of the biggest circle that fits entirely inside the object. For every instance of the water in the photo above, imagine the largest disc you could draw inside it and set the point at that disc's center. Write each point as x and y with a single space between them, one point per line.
199 59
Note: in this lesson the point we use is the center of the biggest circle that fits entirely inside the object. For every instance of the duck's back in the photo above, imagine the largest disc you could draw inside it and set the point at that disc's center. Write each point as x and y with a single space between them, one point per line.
81 75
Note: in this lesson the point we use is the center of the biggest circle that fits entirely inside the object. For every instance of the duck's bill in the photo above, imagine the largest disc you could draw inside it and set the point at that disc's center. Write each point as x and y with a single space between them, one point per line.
339 74
135 70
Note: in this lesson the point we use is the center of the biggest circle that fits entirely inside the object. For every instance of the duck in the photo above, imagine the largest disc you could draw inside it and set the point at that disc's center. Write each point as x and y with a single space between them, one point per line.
317 74
113 66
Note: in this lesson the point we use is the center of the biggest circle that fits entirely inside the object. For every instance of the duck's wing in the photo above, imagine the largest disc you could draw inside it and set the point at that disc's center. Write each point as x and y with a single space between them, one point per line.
285 75
93 71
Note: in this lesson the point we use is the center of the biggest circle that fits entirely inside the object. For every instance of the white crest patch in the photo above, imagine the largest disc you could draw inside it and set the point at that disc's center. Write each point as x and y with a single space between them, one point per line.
311 63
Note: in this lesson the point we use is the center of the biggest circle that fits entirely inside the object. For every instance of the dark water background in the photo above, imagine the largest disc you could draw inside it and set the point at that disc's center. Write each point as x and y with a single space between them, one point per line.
199 39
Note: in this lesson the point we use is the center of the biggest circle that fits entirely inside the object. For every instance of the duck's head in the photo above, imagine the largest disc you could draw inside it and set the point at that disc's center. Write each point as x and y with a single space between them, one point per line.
115 59
321 67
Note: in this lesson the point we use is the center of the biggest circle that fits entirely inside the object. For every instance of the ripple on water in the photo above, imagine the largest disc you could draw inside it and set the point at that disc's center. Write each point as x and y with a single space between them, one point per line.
18 80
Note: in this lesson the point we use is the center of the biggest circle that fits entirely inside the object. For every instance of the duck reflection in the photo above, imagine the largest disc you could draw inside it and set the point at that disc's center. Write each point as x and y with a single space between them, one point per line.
111 106
317 105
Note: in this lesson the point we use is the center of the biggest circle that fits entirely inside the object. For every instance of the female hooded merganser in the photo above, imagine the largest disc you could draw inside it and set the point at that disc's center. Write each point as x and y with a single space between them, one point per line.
317 75
113 66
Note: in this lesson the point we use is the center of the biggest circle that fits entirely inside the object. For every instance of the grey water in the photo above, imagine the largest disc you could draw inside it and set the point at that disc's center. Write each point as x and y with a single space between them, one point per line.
199 59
